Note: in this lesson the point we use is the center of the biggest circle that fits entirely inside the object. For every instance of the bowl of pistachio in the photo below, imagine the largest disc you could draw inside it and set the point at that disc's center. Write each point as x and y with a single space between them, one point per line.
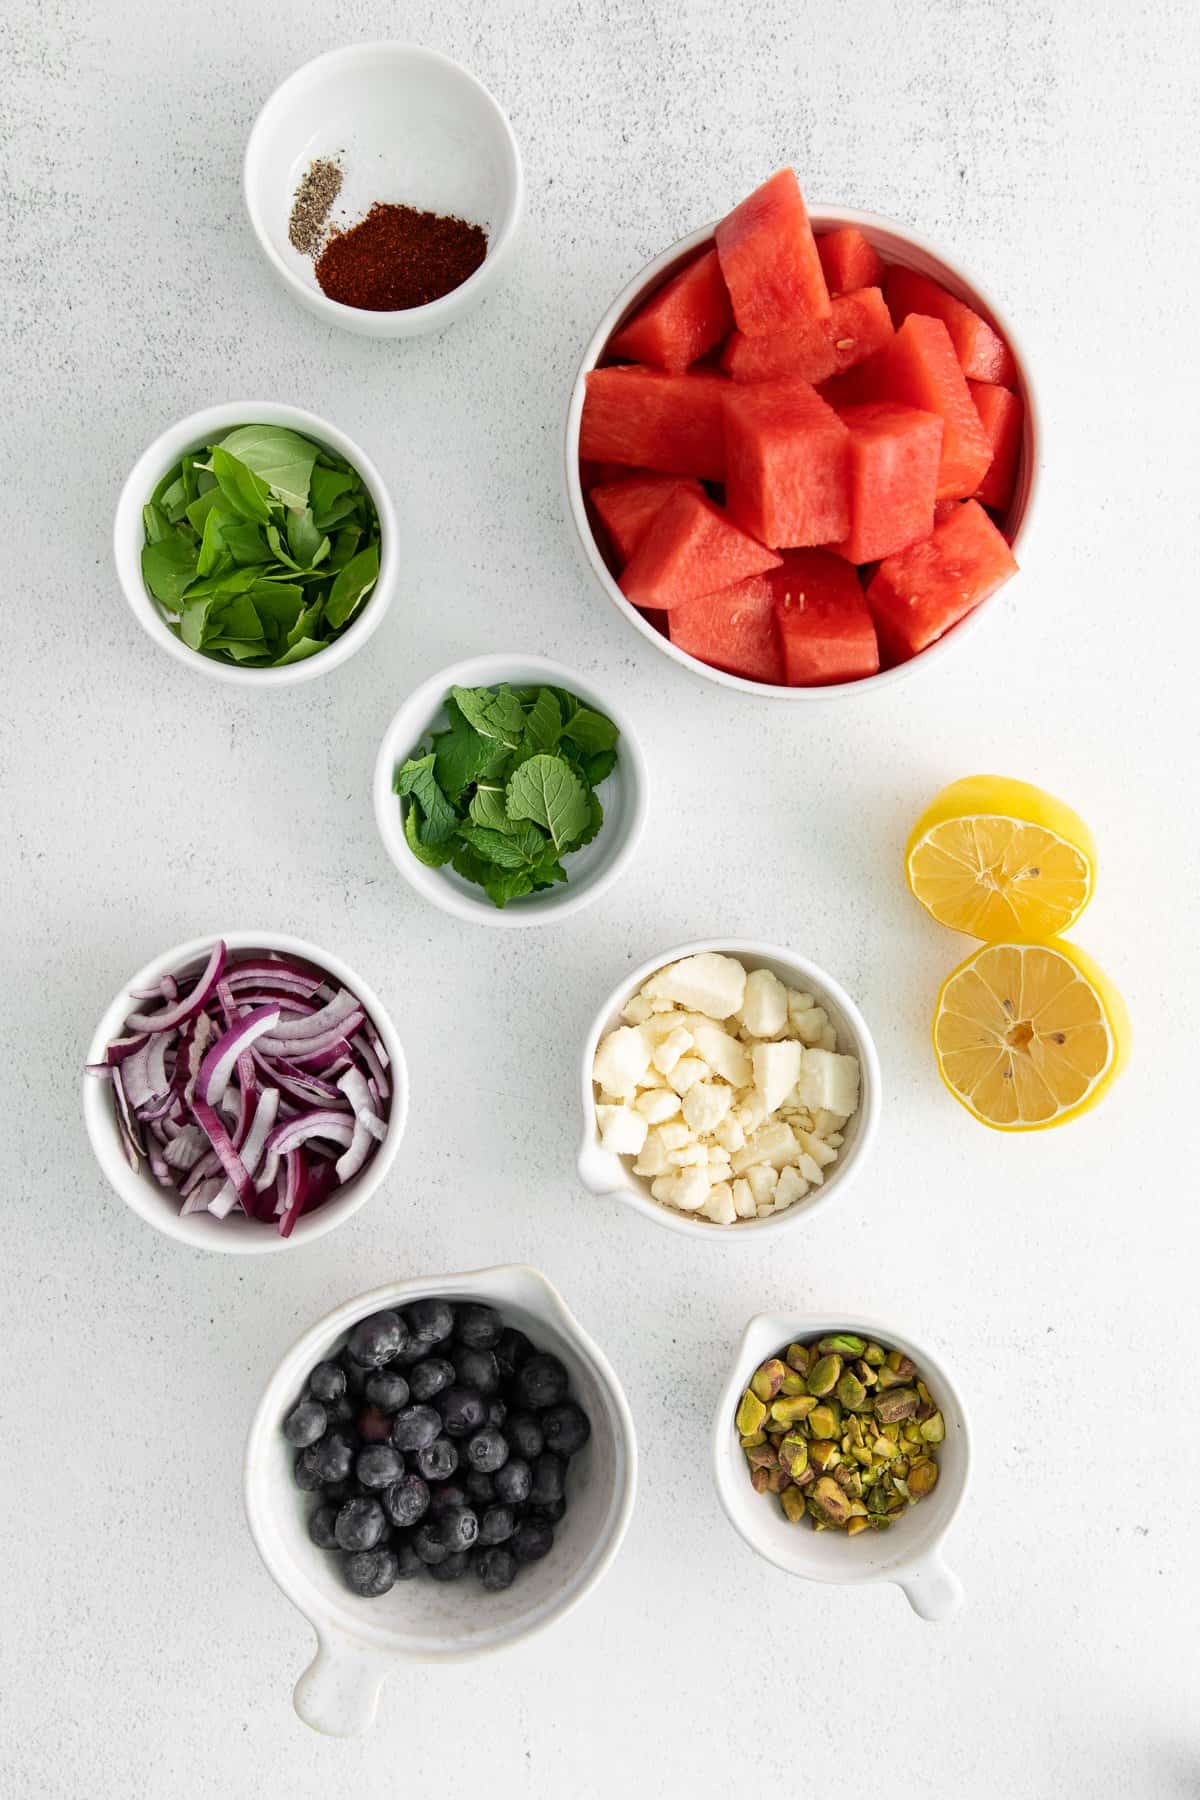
841 1453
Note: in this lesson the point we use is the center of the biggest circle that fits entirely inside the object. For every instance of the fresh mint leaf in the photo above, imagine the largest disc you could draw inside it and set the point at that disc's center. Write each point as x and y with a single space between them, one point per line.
417 779
547 872
282 459
543 722
517 849
503 885
487 808
599 767
249 497
352 585
591 730
432 855
547 790
462 755
169 567
493 712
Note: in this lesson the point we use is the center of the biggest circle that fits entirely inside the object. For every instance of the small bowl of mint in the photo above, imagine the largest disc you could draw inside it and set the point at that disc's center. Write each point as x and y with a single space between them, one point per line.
256 543
509 791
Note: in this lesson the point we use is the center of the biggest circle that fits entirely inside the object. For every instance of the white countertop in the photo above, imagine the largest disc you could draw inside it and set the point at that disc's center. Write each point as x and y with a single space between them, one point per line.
144 1650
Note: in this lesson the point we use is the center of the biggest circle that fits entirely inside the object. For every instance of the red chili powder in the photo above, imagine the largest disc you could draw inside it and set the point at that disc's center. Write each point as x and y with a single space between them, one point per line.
397 257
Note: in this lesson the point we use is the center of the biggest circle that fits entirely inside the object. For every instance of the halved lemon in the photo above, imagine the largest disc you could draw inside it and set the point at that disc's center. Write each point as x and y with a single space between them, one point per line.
998 858
1029 1035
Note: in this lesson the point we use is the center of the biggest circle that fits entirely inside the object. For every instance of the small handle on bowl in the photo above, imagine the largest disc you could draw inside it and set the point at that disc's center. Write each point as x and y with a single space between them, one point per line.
932 1590
599 1170
339 1691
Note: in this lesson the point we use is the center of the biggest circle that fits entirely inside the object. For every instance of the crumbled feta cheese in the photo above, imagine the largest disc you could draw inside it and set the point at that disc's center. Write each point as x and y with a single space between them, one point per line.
776 1070
772 1143
705 1104
653 1160
729 1134
809 1025
798 1002
674 1134
764 1009
688 1190
657 1104
723 1053
791 1187
825 1123
707 983
637 1010
692 1156
719 1205
829 1081
686 1073
622 1130
669 1050
750 1111
743 1199
810 1170
815 1147
763 1181
622 1057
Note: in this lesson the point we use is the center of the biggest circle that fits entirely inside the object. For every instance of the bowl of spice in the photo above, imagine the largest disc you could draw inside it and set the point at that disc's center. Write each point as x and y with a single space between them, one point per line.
384 184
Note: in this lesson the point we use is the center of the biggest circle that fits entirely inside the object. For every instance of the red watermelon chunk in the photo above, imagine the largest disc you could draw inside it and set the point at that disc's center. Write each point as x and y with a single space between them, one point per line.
982 352
919 368
858 325
649 420
918 594
733 629
690 549
788 464
769 259
895 452
595 474
1000 414
825 626
943 509
686 317
627 508
848 261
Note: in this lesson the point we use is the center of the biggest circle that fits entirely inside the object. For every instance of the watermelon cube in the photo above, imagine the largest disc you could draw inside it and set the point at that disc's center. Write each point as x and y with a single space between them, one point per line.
848 261
650 420
627 508
982 352
919 368
944 508
690 549
788 463
1000 414
769 259
733 629
686 317
825 625
595 474
921 592
858 325
895 452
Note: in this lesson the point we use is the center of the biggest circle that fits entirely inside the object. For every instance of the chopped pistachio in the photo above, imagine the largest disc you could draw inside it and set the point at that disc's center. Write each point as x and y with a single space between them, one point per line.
767 1379
750 1413
792 1502
796 1357
823 1376
843 1343
922 1478
895 1404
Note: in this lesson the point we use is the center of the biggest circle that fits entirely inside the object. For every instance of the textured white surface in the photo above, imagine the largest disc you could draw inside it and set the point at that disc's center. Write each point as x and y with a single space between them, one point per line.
143 1649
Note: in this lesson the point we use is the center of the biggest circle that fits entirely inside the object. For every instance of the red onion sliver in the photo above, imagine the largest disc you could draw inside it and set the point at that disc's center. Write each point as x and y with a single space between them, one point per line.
174 1015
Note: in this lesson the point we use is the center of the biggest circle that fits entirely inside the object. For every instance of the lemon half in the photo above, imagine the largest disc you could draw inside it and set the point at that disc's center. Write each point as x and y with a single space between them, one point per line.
998 858
1029 1035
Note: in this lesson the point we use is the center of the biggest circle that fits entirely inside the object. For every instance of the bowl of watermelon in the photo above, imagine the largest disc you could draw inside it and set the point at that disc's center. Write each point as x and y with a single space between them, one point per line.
801 451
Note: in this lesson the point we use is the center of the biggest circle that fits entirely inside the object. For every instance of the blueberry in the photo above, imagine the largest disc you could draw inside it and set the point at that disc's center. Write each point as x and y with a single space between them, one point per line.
454 1566
408 1563
303 1473
360 1524
387 1390
552 1511
497 1525
458 1527
514 1481
446 1496
524 1435
429 1377
332 1457
305 1424
379 1466
541 1381
406 1500
549 1479
427 1542
567 1428
327 1381
511 1349
415 1427
496 1569
497 1412
438 1460
487 1450
481 1489
476 1369
320 1527
371 1572
337 1491
463 1411
532 1540
479 1326
356 1376
373 1426
432 1321
376 1340
340 1412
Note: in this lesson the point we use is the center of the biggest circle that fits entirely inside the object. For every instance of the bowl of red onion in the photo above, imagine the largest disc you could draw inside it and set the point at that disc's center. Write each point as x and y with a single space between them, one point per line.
245 1094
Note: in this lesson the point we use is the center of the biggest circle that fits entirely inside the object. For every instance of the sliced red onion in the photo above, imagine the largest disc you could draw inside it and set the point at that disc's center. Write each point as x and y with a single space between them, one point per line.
361 1146
201 1195
283 1040
183 1009
235 1169
186 1148
320 1053
209 1164
220 1061
264 971
123 1047
374 1056
357 1091
336 1127
251 1152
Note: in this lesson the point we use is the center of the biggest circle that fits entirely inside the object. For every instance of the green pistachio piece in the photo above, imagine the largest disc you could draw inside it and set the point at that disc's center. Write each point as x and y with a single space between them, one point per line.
752 1438
843 1343
823 1376
850 1390
896 1404
762 1456
831 1505
750 1413
777 1480
922 1478
793 1454
823 1454
797 1357
877 1522
875 1355
855 1525
794 1384
766 1379
759 1479
792 1502
787 1411
822 1421
934 1430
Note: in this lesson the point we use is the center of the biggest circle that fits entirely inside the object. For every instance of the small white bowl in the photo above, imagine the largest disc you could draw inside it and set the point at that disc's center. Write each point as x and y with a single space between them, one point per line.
408 127
192 433
360 1642
896 244
910 1552
606 1174
236 1235
591 870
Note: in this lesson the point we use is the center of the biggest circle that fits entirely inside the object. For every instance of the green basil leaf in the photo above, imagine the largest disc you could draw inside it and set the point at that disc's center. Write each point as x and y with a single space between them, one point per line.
352 586
199 509
417 779
494 713
154 523
278 602
328 486
169 567
212 545
280 458
297 652
307 545
245 542
193 620
547 790
591 730
237 619
249 497
592 828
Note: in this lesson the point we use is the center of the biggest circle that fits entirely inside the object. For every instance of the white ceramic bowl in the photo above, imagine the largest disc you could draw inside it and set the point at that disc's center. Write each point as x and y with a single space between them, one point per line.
604 1173
236 1235
190 434
910 1552
409 127
360 1642
591 870
895 243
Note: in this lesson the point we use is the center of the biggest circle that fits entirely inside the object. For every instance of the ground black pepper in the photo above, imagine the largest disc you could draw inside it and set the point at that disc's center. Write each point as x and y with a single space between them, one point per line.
320 187
397 257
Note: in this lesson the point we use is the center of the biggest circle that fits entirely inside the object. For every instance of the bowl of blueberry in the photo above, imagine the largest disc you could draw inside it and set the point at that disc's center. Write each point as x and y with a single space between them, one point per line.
436 1470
